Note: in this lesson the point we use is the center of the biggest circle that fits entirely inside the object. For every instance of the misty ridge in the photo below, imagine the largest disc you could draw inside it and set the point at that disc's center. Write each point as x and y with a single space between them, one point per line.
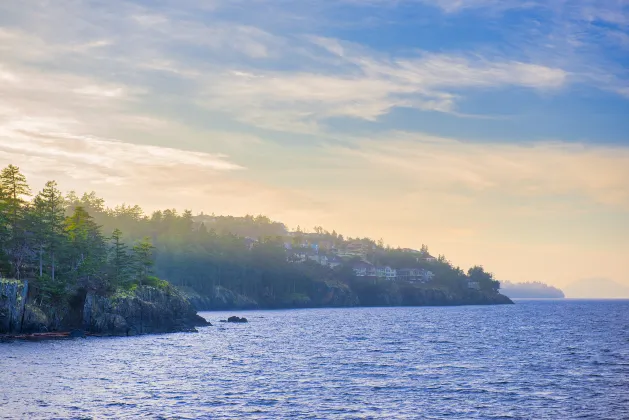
530 290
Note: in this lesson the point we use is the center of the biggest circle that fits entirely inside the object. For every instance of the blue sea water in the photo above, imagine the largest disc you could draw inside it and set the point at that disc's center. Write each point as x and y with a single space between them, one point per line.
559 359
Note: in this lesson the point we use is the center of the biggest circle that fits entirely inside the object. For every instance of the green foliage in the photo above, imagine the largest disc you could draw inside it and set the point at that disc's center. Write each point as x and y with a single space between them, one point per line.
156 282
484 279
47 223
120 260
143 256
58 243
13 208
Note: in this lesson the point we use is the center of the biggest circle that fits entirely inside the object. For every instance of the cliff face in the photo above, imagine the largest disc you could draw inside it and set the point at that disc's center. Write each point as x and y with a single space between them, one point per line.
218 299
324 294
147 310
12 300
331 294
395 294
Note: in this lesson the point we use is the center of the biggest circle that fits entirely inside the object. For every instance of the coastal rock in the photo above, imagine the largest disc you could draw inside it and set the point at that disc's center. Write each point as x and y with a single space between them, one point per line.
34 320
13 295
77 334
237 319
147 311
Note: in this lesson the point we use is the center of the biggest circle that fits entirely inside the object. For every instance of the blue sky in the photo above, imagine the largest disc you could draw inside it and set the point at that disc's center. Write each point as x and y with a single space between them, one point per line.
497 132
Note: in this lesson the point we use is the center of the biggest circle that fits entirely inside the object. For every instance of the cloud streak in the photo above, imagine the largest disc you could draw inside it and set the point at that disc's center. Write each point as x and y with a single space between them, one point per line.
234 69
287 108
597 174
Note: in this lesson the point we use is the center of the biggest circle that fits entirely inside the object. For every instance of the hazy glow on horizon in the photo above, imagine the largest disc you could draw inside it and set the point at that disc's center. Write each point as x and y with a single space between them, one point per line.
514 158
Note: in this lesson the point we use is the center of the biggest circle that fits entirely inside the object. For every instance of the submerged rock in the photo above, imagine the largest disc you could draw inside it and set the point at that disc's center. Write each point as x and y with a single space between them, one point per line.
237 319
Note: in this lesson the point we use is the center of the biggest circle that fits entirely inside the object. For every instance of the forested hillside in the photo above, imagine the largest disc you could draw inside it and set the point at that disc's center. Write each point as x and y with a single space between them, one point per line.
62 243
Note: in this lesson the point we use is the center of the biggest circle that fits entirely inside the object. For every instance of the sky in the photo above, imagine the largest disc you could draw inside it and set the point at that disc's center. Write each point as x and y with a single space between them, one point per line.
494 131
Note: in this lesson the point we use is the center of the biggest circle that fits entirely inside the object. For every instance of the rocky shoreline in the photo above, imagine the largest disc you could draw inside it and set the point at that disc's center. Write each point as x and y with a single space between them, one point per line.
150 310
146 310
333 295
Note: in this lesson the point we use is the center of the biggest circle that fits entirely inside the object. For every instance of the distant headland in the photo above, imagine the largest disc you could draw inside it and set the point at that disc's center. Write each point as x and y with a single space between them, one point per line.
531 290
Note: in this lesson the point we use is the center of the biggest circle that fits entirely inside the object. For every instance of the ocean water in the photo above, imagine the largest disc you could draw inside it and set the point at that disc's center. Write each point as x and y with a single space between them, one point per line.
533 360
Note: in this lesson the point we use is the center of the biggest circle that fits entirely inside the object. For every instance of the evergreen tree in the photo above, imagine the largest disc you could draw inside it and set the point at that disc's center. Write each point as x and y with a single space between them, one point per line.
14 189
120 260
143 253
86 249
48 225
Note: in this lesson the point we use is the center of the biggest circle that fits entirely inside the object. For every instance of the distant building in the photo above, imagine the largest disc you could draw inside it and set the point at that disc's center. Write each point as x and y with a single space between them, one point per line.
363 269
414 275
473 285
354 249
334 262
390 273
250 242
386 272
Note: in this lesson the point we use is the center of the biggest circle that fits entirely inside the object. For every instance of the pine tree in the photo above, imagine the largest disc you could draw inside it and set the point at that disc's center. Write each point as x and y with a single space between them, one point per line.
49 222
14 189
87 249
120 259
143 253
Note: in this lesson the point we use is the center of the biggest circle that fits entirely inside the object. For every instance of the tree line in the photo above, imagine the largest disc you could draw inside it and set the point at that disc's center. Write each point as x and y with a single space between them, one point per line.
67 242
53 241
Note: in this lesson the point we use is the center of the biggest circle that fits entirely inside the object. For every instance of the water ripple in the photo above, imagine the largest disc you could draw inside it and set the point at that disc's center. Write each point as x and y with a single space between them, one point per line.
533 360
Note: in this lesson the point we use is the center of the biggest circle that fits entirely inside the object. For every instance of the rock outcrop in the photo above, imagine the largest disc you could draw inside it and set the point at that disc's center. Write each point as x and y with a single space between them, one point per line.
237 320
330 294
13 296
413 295
324 294
146 310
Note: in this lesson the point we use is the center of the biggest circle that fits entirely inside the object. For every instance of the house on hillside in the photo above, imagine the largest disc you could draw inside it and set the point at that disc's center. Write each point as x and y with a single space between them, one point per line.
334 261
354 249
363 269
390 273
250 242
387 273
414 275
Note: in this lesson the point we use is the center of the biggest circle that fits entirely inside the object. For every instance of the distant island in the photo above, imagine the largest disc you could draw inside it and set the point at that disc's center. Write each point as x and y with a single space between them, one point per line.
532 290
70 263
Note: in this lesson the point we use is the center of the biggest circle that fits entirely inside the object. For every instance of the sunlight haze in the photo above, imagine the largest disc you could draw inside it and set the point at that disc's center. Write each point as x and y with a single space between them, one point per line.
505 146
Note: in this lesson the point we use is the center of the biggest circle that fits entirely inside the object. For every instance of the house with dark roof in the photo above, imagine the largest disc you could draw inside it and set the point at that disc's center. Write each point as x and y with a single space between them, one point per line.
414 275
363 269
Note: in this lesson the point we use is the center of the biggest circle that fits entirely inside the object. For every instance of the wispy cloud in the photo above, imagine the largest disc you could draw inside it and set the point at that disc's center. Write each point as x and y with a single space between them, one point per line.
234 107
259 78
534 171
154 177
